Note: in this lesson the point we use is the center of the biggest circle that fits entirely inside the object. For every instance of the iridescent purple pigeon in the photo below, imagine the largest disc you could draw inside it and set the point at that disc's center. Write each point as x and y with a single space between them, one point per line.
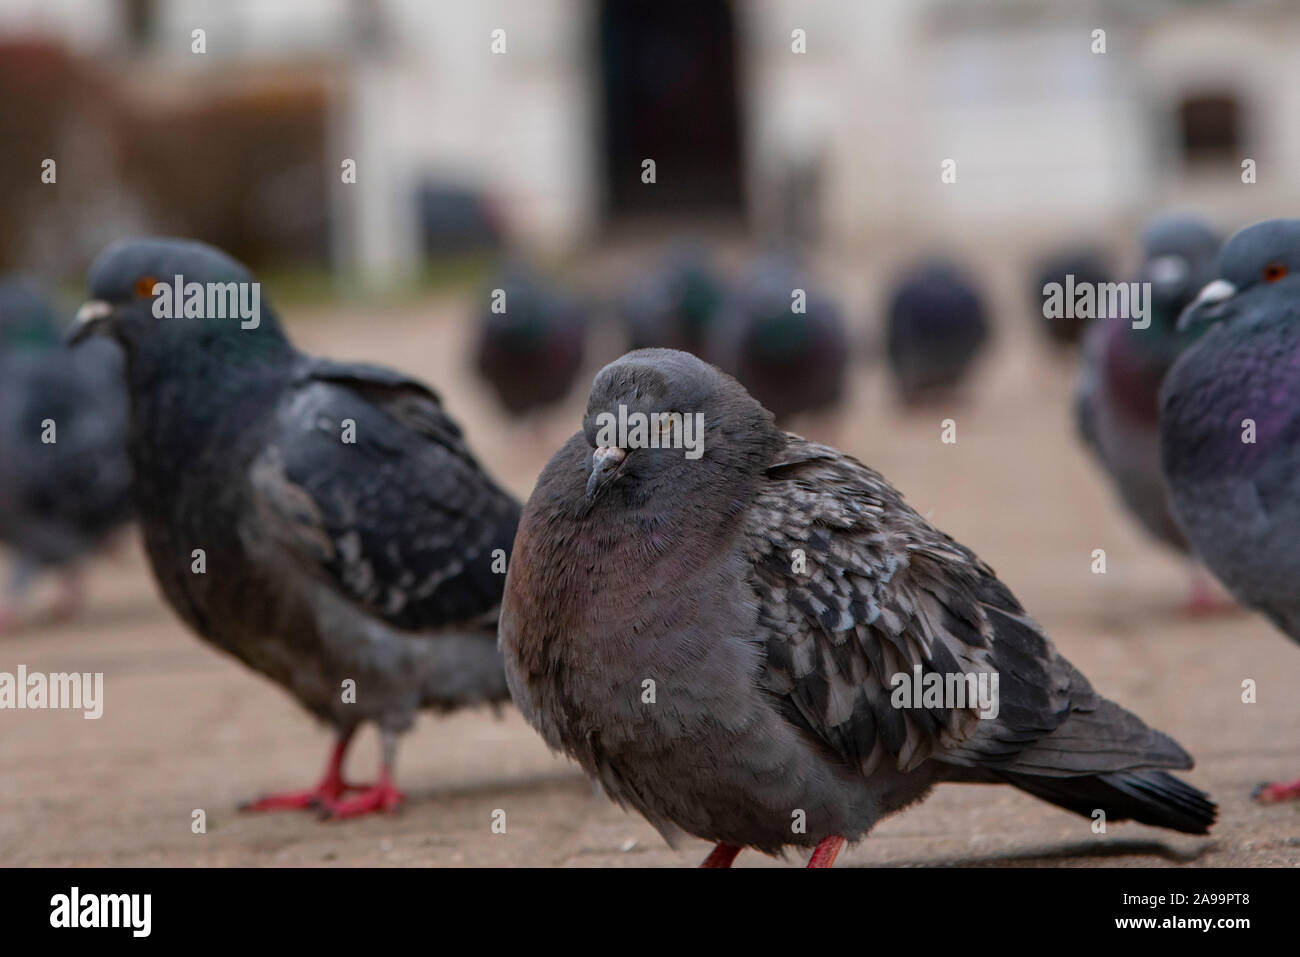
1230 428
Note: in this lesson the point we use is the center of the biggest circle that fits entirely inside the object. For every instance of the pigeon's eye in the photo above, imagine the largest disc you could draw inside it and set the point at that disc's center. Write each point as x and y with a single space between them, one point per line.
144 286
1273 272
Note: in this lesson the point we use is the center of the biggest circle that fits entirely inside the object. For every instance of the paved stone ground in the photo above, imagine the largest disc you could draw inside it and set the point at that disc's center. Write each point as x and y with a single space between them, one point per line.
185 728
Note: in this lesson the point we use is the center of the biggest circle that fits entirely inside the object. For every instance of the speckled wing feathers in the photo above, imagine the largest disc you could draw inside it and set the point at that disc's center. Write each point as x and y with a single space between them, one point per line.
402 520
881 591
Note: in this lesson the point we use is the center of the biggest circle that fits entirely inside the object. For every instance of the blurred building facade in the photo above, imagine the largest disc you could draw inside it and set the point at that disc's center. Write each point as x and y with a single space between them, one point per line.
826 120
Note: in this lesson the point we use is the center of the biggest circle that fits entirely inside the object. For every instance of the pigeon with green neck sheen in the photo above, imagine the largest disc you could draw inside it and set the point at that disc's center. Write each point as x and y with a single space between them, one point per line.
783 339
1117 399
323 522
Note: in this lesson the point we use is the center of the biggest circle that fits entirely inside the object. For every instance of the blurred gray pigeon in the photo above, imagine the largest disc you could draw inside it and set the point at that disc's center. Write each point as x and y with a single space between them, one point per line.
64 477
783 340
677 306
323 522
1230 428
1080 265
1116 402
722 641
936 326
531 340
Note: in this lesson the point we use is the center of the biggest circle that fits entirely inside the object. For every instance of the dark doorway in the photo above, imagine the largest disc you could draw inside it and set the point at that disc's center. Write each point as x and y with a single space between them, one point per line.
1210 128
668 70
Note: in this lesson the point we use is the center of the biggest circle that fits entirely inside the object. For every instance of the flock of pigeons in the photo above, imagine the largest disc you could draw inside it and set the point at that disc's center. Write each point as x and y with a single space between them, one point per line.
772 328
713 639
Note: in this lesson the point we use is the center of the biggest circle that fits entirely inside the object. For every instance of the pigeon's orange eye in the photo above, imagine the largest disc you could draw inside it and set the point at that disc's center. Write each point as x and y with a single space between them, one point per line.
144 286
1273 272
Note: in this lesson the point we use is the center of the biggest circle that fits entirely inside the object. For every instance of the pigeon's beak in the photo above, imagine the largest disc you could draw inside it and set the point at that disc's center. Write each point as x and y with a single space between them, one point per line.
90 319
1208 305
605 464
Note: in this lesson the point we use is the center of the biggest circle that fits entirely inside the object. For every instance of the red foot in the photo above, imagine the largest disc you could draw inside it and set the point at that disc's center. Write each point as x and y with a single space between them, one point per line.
1276 793
322 794
721 856
329 790
378 797
826 852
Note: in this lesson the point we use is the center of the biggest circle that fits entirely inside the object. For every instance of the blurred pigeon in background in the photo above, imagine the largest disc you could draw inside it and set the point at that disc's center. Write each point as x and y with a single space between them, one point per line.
323 522
784 340
64 477
1230 428
455 220
936 326
716 640
677 305
1116 402
27 316
531 340
1079 265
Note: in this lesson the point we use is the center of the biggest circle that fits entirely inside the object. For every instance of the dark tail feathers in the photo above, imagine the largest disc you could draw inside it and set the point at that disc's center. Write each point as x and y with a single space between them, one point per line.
1151 797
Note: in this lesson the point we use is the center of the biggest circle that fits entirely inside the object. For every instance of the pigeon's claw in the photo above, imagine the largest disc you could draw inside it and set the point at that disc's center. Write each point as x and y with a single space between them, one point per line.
1276 793
331 788
381 796
297 800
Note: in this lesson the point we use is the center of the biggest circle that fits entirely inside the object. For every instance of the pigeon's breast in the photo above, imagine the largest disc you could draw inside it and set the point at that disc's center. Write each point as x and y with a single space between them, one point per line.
1230 425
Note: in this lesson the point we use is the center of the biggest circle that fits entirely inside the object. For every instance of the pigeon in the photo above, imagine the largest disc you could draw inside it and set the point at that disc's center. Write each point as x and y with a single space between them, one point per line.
1116 401
531 340
1079 265
64 477
935 328
723 640
323 522
1230 428
678 305
27 316
784 340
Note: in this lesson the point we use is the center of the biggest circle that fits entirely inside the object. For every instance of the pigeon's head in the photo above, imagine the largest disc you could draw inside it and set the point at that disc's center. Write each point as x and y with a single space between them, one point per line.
1260 262
659 420
1179 253
171 291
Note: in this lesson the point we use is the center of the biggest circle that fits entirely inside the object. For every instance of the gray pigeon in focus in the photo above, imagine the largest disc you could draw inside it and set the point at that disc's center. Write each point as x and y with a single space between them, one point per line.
936 326
323 522
1116 402
1230 428
765 595
64 477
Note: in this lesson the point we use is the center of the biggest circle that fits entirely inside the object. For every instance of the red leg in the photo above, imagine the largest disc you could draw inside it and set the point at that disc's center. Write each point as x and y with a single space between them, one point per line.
826 852
380 796
330 788
721 856
1276 793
